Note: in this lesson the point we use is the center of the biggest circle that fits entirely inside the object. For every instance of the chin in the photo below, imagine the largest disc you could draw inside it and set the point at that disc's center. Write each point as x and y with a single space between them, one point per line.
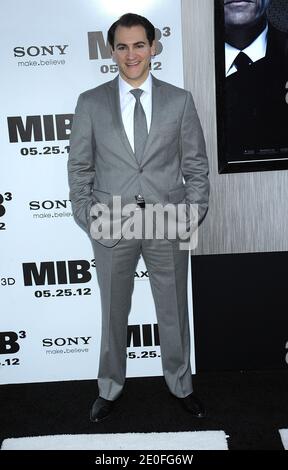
131 77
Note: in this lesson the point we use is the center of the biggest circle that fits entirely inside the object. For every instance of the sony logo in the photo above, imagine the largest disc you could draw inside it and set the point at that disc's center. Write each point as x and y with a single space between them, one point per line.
76 340
34 51
48 205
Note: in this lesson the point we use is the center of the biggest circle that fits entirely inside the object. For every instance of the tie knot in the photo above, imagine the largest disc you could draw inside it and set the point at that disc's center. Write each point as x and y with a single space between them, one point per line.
242 61
137 92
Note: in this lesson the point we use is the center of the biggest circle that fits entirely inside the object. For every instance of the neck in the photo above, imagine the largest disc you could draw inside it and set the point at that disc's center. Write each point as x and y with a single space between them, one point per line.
241 37
134 82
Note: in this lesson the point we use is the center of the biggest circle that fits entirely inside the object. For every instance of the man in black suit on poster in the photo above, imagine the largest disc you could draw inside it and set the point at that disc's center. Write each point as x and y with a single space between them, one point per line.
256 82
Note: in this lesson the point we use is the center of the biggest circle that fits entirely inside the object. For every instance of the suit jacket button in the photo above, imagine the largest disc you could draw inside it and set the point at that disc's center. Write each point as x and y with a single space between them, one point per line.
141 170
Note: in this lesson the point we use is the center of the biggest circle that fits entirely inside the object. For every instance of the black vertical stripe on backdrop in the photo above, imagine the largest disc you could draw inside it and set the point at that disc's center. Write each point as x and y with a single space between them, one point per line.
240 308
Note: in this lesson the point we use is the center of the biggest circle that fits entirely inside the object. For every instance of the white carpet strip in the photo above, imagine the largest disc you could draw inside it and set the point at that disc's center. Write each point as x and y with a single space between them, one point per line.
197 440
284 437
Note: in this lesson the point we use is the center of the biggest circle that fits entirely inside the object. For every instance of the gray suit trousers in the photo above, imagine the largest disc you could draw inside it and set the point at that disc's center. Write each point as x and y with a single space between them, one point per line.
167 266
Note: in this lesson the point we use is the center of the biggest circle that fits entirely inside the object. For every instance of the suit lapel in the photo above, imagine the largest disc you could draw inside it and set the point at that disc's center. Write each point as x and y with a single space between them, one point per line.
156 107
117 117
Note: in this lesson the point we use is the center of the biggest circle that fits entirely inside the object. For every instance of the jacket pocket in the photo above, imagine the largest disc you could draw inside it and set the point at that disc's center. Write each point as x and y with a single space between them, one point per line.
177 195
101 196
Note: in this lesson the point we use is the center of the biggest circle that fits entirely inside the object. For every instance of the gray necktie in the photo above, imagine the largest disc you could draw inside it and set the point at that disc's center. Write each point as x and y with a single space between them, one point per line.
140 125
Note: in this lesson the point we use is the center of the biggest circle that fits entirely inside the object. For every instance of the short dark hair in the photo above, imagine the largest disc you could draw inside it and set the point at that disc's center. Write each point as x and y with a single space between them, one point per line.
128 20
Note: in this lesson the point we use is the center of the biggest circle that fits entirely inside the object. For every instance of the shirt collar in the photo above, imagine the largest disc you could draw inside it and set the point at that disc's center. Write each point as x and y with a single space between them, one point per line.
256 50
125 87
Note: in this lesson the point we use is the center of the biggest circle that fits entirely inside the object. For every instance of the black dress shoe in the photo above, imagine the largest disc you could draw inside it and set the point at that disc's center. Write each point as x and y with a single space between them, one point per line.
193 405
101 408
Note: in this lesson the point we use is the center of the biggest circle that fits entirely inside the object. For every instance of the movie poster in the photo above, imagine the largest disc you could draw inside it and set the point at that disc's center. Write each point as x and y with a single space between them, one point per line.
252 84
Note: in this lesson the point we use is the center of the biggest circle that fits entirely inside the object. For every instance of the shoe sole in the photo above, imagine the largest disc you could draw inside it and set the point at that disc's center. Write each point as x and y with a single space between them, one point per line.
98 420
199 416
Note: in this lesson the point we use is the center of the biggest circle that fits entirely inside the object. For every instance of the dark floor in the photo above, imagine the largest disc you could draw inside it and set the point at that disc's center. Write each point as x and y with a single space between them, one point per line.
249 406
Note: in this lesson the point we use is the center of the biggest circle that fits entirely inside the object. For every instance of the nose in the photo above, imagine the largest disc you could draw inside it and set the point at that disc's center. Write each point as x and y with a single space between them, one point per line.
130 53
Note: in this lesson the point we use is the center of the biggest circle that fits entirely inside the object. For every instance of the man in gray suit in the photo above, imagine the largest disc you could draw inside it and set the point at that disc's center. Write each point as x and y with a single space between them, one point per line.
140 139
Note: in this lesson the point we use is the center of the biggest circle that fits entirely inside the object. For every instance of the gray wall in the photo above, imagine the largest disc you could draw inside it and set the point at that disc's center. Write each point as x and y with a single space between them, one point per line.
248 211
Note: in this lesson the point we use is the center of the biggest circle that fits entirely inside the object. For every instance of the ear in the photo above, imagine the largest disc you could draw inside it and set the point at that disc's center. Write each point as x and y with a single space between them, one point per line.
153 48
113 54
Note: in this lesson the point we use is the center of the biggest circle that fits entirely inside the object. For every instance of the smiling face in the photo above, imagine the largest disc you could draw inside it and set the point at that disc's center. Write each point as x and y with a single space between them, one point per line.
244 12
132 53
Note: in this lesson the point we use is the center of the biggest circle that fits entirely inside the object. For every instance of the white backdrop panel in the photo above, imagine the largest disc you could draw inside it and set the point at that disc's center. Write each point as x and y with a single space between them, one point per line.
50 305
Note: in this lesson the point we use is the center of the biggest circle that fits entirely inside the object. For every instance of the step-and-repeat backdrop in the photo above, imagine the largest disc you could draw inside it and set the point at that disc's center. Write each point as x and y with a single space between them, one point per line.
51 51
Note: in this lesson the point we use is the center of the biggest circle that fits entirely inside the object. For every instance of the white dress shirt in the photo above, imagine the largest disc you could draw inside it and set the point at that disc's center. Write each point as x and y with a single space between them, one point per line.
127 104
255 51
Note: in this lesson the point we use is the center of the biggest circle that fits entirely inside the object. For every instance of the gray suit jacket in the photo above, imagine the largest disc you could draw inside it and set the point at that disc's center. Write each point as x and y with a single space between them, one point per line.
102 163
